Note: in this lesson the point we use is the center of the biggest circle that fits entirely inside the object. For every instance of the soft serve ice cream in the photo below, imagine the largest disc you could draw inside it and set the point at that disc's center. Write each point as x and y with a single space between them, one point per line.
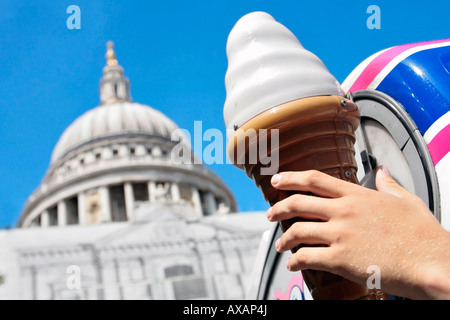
276 86
268 66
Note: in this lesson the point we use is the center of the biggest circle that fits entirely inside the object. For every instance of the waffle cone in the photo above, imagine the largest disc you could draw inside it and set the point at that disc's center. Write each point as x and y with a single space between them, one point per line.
314 133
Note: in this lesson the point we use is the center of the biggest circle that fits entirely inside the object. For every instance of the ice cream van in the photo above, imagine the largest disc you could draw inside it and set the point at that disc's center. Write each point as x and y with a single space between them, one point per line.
403 94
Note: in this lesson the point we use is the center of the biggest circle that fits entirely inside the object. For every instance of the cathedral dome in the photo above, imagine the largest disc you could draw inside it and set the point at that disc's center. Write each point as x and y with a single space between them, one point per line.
115 116
112 120
116 159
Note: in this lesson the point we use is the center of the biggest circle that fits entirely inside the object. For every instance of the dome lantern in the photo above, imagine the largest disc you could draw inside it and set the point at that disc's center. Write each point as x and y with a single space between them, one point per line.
114 86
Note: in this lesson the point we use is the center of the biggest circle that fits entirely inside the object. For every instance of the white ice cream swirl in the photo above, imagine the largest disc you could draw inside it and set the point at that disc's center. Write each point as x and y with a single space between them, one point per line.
268 66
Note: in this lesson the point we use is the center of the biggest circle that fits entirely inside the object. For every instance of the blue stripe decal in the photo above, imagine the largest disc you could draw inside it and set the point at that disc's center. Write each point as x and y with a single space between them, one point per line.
421 83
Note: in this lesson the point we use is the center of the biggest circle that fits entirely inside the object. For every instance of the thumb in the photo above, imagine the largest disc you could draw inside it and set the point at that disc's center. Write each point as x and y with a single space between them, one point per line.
385 183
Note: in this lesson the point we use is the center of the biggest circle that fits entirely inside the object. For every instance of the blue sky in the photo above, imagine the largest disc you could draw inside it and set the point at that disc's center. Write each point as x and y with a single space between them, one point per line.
174 54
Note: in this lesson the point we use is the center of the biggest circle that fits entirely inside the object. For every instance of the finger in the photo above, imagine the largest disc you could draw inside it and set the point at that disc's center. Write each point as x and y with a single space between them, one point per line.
303 206
317 182
304 233
314 258
385 183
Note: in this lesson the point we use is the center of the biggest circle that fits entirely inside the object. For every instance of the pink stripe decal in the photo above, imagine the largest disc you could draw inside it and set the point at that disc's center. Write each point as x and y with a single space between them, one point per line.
381 61
440 145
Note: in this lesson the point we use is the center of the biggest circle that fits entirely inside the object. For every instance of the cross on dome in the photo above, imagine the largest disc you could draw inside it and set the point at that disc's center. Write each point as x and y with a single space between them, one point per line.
111 59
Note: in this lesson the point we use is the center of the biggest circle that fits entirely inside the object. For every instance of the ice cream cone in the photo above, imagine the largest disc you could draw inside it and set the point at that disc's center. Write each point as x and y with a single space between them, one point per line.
276 88
314 133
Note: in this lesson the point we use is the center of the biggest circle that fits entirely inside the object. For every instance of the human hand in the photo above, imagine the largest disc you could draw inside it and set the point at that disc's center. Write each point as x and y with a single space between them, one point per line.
358 227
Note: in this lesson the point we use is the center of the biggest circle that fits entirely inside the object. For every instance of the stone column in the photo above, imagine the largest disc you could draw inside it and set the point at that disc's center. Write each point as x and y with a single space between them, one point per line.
151 191
105 203
82 214
175 191
197 202
45 220
62 213
129 200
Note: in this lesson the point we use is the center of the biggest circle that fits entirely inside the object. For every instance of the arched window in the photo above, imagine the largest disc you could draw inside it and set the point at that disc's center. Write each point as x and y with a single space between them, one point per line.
117 203
53 216
72 210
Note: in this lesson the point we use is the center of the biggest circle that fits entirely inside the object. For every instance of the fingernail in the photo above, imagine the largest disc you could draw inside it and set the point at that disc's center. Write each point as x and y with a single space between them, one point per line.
277 244
275 179
269 213
287 265
385 170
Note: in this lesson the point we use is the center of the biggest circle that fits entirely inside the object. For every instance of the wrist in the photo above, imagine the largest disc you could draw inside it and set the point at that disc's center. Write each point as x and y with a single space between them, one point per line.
433 278
435 283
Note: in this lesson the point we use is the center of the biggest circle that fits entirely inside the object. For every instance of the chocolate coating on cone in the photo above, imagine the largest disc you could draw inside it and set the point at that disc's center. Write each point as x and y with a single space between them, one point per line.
314 133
